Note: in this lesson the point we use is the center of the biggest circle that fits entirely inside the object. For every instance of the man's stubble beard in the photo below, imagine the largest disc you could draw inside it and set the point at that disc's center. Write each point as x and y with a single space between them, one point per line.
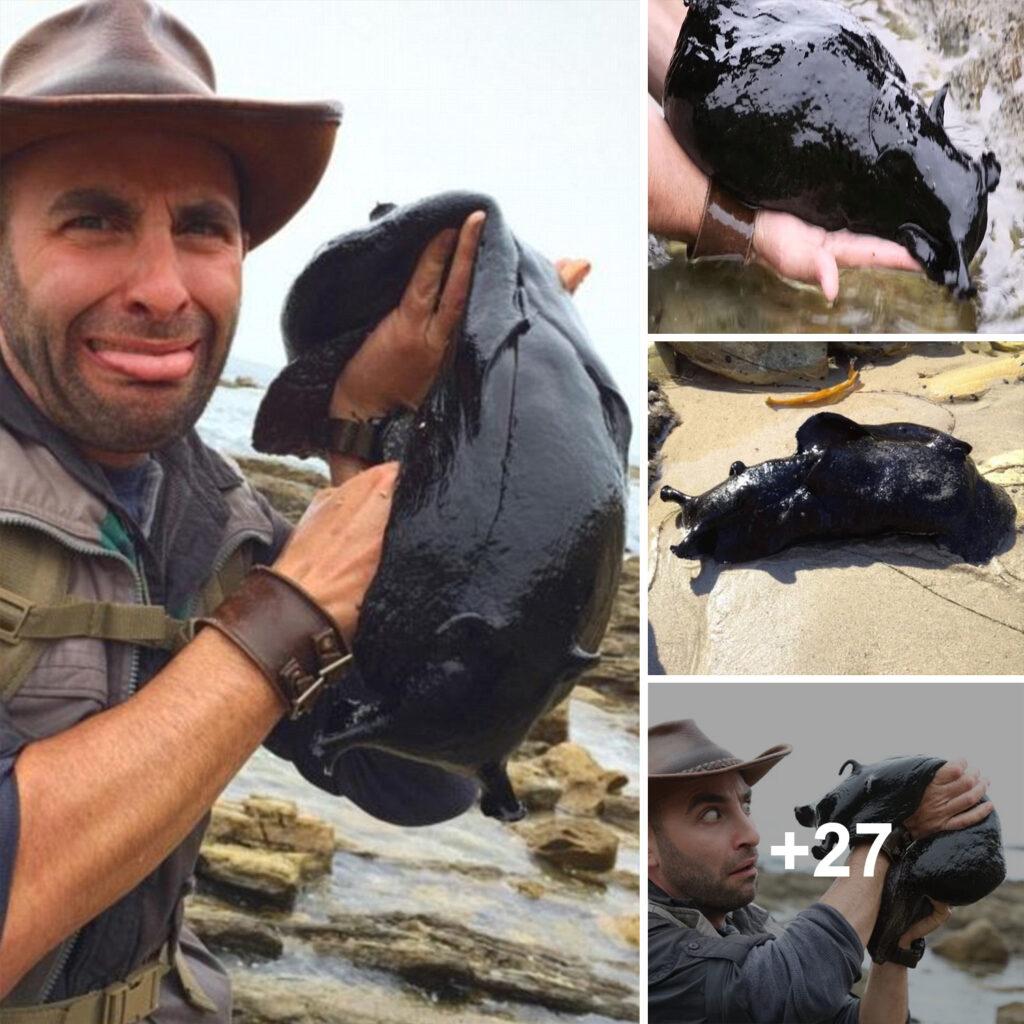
698 884
91 421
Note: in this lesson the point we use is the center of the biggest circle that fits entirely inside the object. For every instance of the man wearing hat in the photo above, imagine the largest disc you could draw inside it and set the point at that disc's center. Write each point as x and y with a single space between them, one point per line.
129 194
714 956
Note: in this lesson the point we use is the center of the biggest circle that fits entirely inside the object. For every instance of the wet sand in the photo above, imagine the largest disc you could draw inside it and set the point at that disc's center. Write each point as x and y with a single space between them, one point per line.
894 605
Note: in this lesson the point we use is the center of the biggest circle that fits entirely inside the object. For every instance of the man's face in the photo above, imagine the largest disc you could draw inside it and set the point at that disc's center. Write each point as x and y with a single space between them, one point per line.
120 280
702 844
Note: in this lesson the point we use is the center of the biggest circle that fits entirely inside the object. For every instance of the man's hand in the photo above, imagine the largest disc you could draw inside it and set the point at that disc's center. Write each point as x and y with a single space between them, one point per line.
941 913
398 361
949 801
334 551
804 252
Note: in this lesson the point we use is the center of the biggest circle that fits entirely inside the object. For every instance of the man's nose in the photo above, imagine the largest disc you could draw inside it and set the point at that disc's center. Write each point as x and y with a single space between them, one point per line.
748 834
156 285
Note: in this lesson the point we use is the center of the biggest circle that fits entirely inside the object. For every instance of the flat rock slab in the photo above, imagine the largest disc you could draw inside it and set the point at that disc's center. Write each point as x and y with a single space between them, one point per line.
894 605
453 961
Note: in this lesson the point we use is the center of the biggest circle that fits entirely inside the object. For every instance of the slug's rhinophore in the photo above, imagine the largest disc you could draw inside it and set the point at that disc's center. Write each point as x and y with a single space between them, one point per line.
504 546
848 480
794 105
956 867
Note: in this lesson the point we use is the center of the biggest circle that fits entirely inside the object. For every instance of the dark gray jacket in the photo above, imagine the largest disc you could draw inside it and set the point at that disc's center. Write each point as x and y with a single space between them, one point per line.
753 971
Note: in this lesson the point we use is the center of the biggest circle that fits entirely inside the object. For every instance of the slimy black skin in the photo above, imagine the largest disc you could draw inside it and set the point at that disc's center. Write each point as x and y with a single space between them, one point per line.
956 867
794 105
504 545
848 480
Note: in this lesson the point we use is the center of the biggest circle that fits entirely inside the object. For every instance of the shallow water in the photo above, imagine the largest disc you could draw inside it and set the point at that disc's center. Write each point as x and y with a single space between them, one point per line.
724 296
419 871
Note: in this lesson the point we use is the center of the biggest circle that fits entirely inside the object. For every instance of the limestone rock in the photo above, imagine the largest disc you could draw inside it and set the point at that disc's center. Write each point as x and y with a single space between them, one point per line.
268 823
585 783
572 844
621 810
288 488
759 362
551 728
265 876
534 786
451 960
1010 1013
979 943
227 931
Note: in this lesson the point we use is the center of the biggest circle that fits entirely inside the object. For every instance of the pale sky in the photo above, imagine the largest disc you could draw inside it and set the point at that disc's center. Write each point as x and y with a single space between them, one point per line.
540 104
826 723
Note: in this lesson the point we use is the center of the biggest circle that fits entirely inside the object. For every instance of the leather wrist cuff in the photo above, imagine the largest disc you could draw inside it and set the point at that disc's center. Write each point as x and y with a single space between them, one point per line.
726 226
285 632
361 438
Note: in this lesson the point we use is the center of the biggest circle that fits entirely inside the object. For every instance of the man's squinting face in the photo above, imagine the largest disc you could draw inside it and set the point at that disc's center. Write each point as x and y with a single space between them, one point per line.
120 280
702 844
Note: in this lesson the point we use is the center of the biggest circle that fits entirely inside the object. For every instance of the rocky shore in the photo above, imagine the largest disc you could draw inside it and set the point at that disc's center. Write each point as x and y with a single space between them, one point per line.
278 900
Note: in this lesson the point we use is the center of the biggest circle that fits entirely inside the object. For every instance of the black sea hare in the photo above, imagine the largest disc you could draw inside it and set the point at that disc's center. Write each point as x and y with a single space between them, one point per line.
956 867
794 105
504 545
848 480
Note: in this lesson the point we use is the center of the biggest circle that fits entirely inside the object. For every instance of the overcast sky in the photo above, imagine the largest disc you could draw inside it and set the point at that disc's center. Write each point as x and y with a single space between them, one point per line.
826 723
540 104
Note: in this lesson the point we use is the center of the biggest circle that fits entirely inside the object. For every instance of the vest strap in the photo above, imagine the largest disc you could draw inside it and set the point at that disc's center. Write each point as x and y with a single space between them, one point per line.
124 1002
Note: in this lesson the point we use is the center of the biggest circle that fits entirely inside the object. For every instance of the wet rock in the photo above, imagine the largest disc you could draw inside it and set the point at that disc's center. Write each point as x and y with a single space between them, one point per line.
979 943
622 811
225 930
584 782
1010 1013
551 728
869 349
266 822
661 419
759 362
258 999
534 785
288 488
264 877
572 844
625 928
453 961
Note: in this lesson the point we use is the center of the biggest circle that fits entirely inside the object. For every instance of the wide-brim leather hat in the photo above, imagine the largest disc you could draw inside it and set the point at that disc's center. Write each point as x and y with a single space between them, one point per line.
127 64
679 750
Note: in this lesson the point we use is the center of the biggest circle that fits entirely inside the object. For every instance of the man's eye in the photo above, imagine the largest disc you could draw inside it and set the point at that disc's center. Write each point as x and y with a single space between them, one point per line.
89 222
711 814
746 808
206 229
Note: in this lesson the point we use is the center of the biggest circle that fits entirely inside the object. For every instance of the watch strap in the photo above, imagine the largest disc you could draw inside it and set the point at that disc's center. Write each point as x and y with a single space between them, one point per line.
361 438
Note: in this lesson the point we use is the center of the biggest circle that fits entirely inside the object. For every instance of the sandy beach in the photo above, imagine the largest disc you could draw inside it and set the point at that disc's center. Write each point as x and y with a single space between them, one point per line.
892 605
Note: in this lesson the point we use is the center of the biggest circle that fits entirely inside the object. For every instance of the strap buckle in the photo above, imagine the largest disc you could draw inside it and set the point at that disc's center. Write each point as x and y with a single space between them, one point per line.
304 687
133 999
14 611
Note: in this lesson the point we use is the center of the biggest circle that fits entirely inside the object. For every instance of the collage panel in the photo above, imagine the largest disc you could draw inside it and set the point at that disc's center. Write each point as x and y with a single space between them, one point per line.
319 511
834 166
835 507
755 793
